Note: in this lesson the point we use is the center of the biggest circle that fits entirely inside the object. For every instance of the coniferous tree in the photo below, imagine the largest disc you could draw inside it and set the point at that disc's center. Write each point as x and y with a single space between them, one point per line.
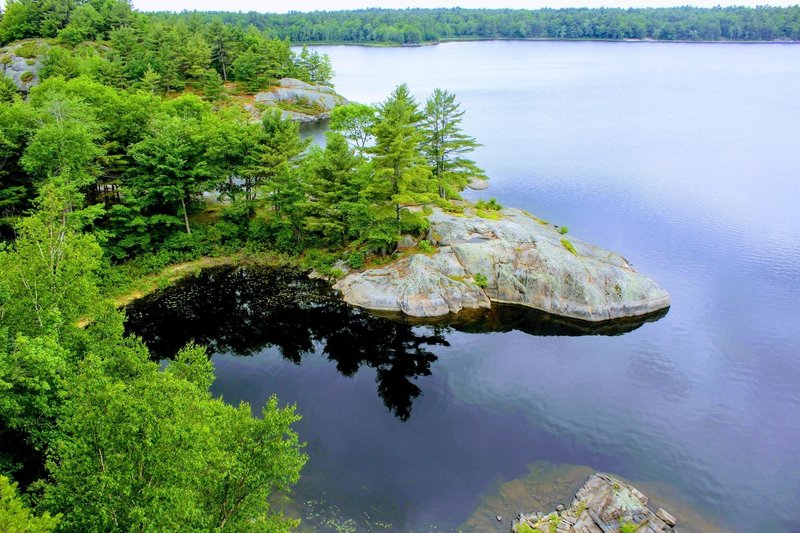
445 145
401 178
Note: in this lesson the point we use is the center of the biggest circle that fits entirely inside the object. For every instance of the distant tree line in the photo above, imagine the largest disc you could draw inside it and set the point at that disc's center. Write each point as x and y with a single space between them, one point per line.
410 26
106 40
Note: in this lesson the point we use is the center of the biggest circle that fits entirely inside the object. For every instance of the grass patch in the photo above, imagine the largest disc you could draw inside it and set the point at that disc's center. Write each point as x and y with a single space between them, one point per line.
26 77
481 281
27 50
563 230
627 527
489 215
301 105
568 245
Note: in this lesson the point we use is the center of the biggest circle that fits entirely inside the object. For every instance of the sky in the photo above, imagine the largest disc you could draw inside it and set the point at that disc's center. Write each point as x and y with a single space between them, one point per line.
330 5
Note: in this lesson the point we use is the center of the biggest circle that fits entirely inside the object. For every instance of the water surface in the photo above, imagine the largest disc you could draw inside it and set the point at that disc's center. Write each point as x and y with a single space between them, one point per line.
684 158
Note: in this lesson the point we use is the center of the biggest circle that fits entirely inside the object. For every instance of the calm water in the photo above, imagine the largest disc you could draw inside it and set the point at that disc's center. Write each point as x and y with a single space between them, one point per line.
685 158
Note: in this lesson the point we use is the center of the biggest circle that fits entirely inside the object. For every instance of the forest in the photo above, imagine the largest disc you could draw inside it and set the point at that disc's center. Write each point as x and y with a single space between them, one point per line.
135 151
415 26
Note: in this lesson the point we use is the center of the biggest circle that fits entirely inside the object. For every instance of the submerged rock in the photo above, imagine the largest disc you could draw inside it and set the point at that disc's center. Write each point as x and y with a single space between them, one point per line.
298 96
519 259
603 504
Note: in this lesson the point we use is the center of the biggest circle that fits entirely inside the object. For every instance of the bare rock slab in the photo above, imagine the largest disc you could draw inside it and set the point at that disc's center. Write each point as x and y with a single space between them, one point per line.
525 261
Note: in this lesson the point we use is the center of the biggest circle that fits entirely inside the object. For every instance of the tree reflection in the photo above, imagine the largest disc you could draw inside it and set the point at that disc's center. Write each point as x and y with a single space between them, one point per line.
245 310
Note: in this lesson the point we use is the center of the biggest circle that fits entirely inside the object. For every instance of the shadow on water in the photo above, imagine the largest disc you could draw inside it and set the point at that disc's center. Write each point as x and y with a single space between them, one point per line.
243 310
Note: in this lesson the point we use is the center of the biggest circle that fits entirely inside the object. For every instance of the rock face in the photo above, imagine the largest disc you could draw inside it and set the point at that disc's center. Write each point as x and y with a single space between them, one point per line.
318 99
23 71
420 285
603 504
520 260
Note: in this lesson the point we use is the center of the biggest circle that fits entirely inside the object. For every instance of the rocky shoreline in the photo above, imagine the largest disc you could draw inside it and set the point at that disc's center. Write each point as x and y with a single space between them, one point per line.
507 256
603 504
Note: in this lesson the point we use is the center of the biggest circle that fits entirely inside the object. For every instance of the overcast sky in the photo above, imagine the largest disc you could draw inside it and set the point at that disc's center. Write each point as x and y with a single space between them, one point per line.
330 5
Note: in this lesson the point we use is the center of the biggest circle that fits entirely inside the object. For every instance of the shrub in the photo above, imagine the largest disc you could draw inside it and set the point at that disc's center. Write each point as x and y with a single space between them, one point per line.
26 77
491 205
568 245
356 260
481 281
627 527
563 230
426 247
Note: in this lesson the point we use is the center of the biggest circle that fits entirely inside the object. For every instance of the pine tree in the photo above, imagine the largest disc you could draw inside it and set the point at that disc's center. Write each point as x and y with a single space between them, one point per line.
401 177
445 144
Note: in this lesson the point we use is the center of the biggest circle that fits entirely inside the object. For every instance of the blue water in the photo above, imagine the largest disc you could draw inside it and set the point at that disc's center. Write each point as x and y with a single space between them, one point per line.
685 158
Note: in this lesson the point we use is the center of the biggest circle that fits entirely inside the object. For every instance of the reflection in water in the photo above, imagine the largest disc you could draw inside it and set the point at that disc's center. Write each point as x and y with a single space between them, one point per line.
244 310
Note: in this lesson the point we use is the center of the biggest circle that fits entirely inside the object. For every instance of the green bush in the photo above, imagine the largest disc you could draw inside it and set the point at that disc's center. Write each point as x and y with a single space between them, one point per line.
563 230
426 247
26 77
491 205
481 281
568 245
627 527
356 260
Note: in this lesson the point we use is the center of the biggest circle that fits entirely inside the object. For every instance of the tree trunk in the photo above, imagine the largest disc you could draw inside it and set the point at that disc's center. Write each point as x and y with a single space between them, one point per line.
186 216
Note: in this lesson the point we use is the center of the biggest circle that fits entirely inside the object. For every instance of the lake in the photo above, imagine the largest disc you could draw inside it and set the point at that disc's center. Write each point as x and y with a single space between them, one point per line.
682 157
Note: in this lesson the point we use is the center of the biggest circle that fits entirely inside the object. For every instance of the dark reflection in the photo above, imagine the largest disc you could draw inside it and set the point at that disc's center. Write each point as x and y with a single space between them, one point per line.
244 310
505 317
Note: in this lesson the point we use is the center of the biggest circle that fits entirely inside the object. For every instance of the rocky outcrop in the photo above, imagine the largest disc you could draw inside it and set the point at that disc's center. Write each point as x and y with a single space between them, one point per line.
603 504
511 257
298 100
21 62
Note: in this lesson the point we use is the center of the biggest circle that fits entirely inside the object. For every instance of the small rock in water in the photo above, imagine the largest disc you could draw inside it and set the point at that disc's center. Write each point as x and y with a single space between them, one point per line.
666 517
499 518
559 507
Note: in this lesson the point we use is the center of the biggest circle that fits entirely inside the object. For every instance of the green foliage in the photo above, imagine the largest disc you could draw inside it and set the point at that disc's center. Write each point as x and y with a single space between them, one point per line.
8 90
445 144
48 275
354 121
401 176
15 517
29 50
491 205
314 67
568 245
397 27
426 247
563 230
26 77
627 527
481 280
524 527
356 260
115 466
